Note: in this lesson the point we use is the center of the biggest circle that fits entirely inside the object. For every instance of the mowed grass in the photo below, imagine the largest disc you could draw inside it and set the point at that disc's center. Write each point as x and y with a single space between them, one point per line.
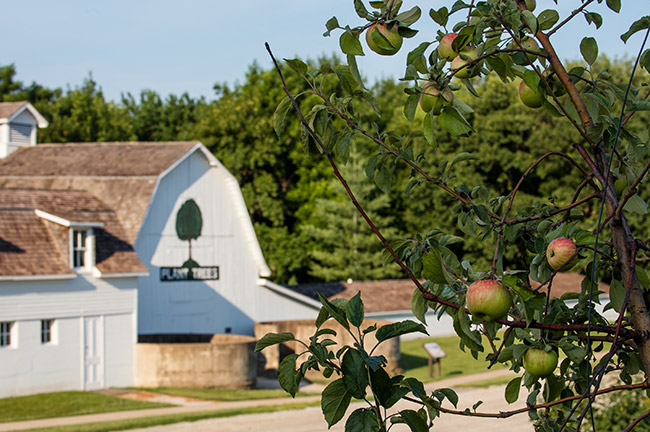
145 422
224 395
61 404
415 360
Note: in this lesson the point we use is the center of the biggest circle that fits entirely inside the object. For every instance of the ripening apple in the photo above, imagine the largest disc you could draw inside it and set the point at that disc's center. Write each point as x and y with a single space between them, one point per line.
444 49
432 99
560 251
540 363
384 39
470 54
488 299
531 98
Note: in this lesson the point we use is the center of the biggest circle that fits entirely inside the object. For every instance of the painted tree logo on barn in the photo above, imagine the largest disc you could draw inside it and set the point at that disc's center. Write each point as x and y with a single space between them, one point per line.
189 224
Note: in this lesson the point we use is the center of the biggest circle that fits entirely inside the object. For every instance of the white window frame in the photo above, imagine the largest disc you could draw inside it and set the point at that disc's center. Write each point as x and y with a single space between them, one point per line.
48 331
7 336
86 251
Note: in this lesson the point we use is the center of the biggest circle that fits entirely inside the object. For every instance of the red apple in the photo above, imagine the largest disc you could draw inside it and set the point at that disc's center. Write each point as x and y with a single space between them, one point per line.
470 54
540 363
488 299
383 39
432 99
531 98
559 252
444 49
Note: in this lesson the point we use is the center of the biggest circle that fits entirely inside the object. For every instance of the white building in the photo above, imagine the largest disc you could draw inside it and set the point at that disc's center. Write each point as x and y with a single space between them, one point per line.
192 274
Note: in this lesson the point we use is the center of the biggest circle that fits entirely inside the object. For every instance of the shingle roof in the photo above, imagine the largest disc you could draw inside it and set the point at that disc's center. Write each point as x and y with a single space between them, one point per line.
31 245
395 295
122 175
8 108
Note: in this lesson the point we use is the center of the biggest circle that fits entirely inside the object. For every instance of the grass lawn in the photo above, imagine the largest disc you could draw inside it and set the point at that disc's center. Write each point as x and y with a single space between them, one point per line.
62 404
225 395
138 423
415 360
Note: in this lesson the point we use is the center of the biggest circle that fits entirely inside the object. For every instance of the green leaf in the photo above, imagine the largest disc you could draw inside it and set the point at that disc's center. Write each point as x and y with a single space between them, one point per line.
432 267
410 16
280 115
461 157
441 16
419 306
589 49
354 310
355 373
362 420
335 312
383 178
547 19
273 339
350 44
360 9
287 375
330 25
297 65
415 386
449 394
399 328
387 389
354 70
335 401
512 390
428 130
414 421
452 121
531 21
638 25
617 293
636 204
410 106
614 5
593 17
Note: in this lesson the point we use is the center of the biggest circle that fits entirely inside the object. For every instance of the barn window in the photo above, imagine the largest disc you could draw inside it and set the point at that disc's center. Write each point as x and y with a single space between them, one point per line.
20 133
5 333
47 330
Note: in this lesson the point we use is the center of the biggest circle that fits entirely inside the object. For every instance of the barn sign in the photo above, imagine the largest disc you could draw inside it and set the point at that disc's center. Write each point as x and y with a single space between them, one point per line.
188 227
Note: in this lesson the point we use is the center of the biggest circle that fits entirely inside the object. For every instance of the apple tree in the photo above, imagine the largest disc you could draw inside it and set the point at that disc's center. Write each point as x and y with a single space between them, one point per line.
566 354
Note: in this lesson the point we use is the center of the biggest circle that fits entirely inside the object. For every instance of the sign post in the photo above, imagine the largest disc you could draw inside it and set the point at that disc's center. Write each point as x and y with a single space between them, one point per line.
435 354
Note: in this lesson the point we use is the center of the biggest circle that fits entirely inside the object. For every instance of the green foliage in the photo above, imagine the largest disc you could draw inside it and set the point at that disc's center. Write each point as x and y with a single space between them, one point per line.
488 185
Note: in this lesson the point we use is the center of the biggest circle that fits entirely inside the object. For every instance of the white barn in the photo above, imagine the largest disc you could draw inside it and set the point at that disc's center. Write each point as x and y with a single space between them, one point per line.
210 279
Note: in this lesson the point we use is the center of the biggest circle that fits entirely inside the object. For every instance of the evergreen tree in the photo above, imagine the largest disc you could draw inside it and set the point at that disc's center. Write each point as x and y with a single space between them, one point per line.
344 245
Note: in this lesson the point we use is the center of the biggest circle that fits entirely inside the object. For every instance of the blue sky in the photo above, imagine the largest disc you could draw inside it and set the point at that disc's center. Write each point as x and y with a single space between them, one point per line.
177 46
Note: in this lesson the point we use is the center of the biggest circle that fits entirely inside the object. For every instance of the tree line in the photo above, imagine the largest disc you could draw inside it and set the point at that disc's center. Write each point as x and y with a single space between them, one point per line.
307 228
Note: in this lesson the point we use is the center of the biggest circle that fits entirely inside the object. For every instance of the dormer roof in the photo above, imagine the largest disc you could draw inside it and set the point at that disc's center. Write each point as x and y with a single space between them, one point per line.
11 110
35 227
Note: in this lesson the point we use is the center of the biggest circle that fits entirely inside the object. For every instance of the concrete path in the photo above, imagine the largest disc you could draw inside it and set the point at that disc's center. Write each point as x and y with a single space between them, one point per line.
304 420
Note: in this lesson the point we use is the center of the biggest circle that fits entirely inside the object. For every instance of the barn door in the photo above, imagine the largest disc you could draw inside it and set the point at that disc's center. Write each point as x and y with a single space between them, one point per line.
93 353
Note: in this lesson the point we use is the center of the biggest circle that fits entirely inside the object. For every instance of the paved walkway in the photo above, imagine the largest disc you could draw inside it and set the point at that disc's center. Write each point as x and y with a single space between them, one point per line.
302 420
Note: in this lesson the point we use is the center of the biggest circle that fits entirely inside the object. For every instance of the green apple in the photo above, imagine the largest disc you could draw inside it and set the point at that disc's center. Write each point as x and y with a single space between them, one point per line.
540 363
444 49
384 39
432 99
531 98
466 55
560 251
488 300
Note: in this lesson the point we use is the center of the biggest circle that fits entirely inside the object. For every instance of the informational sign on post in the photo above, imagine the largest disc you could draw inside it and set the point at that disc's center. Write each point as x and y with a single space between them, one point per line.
435 354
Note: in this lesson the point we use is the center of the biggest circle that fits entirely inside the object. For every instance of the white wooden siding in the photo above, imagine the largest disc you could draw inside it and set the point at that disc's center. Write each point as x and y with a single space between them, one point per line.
29 366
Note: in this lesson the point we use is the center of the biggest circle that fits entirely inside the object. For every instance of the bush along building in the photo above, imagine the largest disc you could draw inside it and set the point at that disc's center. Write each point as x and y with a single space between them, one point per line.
102 244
